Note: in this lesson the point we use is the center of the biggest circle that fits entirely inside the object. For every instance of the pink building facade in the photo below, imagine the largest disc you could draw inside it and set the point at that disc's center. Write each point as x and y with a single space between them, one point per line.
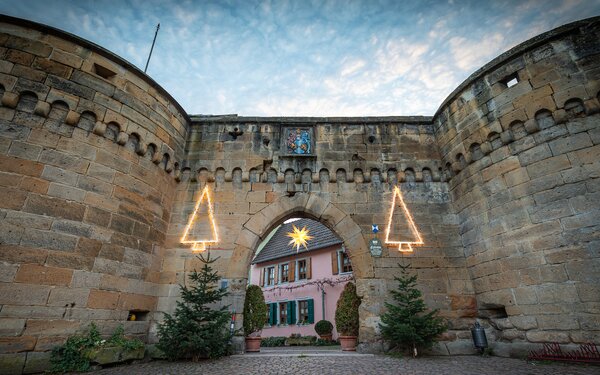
302 288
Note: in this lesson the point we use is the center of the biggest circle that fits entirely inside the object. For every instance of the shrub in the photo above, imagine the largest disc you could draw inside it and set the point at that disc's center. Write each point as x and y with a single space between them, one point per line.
197 330
346 313
405 323
255 310
272 341
323 327
74 354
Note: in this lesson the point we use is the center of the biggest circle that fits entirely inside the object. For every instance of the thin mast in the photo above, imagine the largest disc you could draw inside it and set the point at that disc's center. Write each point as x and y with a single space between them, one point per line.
152 48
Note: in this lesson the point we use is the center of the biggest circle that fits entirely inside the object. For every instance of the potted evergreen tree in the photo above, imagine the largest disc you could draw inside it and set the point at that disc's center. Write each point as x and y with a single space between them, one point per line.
255 317
324 329
346 317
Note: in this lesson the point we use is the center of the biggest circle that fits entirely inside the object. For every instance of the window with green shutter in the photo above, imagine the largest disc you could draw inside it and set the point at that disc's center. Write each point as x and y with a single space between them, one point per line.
273 315
311 311
291 312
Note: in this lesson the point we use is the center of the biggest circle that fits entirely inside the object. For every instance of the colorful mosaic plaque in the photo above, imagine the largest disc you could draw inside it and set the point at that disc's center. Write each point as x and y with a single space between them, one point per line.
298 141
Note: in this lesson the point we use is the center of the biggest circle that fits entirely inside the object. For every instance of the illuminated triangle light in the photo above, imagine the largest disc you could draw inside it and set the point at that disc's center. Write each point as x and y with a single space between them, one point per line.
199 245
299 237
403 246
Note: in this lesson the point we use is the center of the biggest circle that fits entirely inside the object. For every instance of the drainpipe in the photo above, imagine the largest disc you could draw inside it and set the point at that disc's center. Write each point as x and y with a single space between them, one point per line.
323 301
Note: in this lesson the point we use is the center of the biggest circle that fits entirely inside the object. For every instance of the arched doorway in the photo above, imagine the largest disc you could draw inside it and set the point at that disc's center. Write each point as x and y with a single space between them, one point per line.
309 205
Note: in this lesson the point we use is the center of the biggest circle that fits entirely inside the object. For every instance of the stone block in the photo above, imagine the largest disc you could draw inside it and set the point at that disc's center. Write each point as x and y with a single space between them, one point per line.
557 322
548 336
23 294
71 163
60 175
500 168
35 185
21 166
66 192
101 172
66 58
13 199
55 207
37 362
52 327
11 327
548 166
69 260
557 293
535 154
570 143
48 240
524 322
68 297
36 274
18 254
69 87
100 299
24 150
85 279
136 302
11 364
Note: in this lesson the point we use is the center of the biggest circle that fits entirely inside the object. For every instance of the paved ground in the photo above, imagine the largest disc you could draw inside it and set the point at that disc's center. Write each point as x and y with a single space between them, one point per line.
297 362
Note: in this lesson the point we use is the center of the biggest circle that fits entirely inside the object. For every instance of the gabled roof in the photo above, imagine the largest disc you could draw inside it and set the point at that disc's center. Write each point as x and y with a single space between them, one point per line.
278 247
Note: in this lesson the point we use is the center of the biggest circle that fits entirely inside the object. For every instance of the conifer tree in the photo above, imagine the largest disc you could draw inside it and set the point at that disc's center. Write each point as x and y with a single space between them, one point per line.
406 324
197 329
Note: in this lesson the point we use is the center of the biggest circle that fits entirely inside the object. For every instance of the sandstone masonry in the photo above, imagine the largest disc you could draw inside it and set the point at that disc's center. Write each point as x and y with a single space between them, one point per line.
100 169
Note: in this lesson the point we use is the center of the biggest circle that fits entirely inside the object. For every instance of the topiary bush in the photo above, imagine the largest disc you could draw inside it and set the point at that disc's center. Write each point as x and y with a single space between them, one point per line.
323 327
346 313
255 310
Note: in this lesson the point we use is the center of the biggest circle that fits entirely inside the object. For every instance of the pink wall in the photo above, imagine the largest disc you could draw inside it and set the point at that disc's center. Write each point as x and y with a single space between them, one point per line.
321 269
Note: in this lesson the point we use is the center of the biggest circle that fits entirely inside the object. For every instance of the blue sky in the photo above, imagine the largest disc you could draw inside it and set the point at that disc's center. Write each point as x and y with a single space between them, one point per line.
307 58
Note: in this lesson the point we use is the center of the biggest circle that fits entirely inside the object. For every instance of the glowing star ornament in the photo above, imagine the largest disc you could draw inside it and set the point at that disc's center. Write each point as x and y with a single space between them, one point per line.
401 229
201 229
299 237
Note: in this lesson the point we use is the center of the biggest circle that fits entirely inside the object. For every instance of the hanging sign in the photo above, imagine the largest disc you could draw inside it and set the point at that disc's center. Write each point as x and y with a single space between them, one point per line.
375 247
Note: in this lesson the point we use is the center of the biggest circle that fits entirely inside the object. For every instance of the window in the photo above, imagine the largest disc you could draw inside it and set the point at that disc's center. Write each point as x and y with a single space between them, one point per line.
285 272
346 266
269 317
302 269
271 314
270 279
302 312
283 312
306 312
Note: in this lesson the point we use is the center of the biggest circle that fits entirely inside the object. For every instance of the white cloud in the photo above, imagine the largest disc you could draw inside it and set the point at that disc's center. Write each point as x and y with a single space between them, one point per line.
352 67
471 53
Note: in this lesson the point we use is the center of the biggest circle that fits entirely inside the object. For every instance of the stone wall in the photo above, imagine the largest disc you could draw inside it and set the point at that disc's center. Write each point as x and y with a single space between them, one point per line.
88 167
348 186
100 169
523 163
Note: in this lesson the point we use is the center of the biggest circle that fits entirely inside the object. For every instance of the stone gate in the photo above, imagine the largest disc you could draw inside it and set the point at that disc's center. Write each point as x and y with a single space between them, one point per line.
100 169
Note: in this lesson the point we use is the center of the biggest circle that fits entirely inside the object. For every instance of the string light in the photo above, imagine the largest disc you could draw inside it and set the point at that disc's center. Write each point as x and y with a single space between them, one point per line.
299 237
403 246
199 245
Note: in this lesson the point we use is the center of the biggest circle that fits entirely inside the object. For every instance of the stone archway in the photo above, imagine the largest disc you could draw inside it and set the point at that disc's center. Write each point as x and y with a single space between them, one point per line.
313 205
316 206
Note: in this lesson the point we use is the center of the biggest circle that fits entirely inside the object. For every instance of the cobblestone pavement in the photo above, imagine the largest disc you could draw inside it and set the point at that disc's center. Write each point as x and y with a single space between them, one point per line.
341 364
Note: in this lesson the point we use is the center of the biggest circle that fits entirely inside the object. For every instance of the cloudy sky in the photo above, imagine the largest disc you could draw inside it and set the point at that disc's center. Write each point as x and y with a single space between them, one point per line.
307 58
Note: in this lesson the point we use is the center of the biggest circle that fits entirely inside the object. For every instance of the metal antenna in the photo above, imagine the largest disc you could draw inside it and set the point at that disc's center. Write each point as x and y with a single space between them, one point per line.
152 48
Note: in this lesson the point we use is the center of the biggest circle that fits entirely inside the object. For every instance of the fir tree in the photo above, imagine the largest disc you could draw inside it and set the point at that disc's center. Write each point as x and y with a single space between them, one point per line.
197 329
406 324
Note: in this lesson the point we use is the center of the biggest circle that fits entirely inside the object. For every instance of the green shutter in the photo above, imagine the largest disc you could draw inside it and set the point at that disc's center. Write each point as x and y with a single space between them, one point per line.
273 320
291 305
311 311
